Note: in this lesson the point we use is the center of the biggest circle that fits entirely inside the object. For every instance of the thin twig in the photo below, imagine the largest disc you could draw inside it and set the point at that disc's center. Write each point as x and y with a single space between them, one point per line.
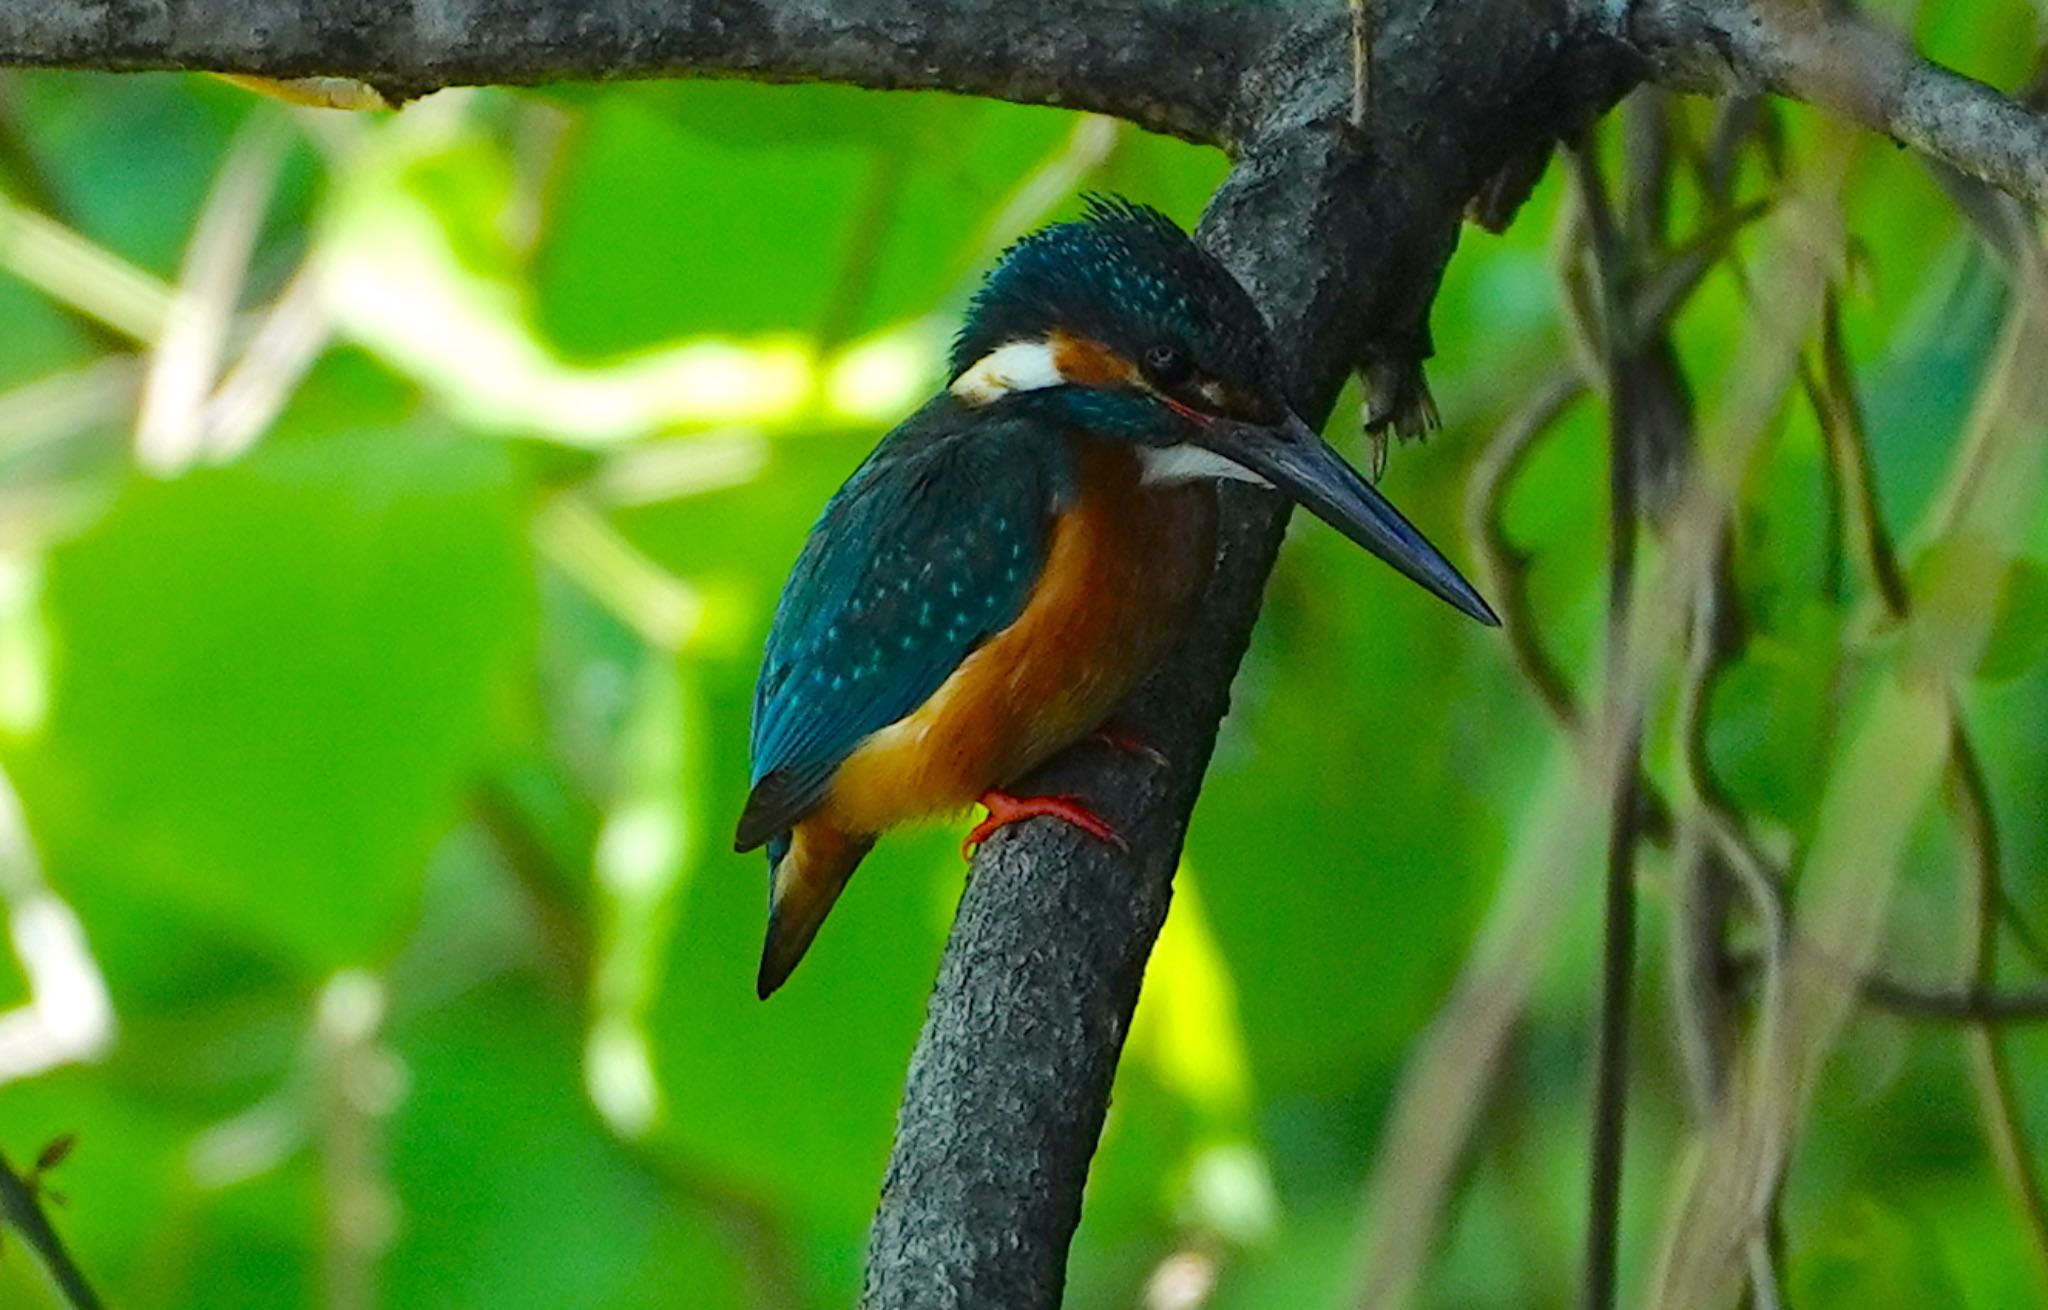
22 172
1610 1079
1504 567
2005 1130
1922 1002
1970 1005
1610 1087
1699 921
1840 414
874 218
21 1209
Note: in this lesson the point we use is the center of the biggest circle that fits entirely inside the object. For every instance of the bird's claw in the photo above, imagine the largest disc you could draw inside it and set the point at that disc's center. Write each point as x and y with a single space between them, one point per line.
1005 809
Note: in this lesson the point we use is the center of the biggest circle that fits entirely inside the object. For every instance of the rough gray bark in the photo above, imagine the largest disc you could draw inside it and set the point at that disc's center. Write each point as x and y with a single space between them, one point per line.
1200 69
1164 64
1340 232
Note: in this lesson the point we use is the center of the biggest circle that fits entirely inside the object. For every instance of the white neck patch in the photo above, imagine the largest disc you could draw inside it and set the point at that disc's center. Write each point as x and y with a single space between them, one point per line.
1013 366
1168 465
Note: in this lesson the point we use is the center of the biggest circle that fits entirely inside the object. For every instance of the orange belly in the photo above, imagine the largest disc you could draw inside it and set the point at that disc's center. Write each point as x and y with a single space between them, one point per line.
1124 567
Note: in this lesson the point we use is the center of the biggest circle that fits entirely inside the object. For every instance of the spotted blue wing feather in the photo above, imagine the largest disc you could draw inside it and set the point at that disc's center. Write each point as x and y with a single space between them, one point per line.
930 548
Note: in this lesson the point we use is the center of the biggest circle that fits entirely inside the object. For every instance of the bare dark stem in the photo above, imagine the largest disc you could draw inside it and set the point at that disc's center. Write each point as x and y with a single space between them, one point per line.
21 1209
1504 568
1610 1085
1618 952
2004 1129
1967 1005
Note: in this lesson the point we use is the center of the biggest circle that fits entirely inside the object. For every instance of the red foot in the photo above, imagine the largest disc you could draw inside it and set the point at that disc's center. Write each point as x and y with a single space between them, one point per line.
1005 809
1123 739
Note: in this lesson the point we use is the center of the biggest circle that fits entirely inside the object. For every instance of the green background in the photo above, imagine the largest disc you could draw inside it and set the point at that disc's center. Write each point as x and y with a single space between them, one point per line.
389 764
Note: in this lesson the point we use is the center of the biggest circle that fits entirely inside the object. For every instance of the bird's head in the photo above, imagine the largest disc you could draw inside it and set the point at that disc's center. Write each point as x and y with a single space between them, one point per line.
1120 326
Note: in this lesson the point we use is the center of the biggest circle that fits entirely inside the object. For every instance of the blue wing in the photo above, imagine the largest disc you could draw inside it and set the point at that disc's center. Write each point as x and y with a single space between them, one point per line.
930 548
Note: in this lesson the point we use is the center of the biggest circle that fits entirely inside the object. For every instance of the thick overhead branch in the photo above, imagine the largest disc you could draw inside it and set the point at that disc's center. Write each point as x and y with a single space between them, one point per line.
1173 65
1827 54
1200 69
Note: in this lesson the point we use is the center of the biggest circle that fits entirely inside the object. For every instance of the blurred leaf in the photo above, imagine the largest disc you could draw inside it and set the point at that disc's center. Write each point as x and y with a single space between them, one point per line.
512 1193
687 260
863 208
755 116
2019 634
273 680
39 338
468 184
1774 712
796 1096
1865 1256
1917 402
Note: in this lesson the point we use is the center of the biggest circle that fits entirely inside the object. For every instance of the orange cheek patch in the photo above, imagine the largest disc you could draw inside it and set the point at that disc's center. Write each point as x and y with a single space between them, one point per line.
1089 363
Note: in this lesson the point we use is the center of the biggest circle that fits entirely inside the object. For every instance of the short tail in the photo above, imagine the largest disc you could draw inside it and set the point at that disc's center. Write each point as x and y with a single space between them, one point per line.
809 870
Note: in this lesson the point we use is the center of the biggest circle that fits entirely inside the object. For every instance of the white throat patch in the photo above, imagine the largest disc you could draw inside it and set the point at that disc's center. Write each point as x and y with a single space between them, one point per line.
1167 465
1013 366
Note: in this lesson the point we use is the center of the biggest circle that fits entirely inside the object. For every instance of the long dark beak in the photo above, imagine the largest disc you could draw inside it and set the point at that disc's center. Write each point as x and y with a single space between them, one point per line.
1292 457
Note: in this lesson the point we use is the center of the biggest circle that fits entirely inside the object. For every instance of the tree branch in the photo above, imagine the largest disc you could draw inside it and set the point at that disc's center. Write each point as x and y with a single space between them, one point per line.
1169 65
1341 233
1833 57
1342 238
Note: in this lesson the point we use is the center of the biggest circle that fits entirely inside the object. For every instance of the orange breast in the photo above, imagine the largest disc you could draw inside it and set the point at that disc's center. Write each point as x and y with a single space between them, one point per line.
1124 567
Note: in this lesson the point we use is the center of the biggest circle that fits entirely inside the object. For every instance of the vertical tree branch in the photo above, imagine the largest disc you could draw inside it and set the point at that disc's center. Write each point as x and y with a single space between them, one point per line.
1341 237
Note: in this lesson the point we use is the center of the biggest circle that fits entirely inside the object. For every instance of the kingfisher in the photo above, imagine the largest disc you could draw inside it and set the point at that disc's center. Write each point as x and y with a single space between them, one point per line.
1013 558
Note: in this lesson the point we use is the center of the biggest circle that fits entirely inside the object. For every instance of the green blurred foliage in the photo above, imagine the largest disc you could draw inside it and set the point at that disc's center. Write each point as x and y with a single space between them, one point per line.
389 763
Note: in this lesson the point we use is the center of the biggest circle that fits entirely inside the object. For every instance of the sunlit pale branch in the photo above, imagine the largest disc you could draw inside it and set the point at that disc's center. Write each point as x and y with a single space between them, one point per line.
287 339
90 279
170 430
69 1015
357 1082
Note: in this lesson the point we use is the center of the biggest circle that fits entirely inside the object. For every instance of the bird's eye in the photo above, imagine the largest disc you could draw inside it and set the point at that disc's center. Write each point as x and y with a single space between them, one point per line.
1165 366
